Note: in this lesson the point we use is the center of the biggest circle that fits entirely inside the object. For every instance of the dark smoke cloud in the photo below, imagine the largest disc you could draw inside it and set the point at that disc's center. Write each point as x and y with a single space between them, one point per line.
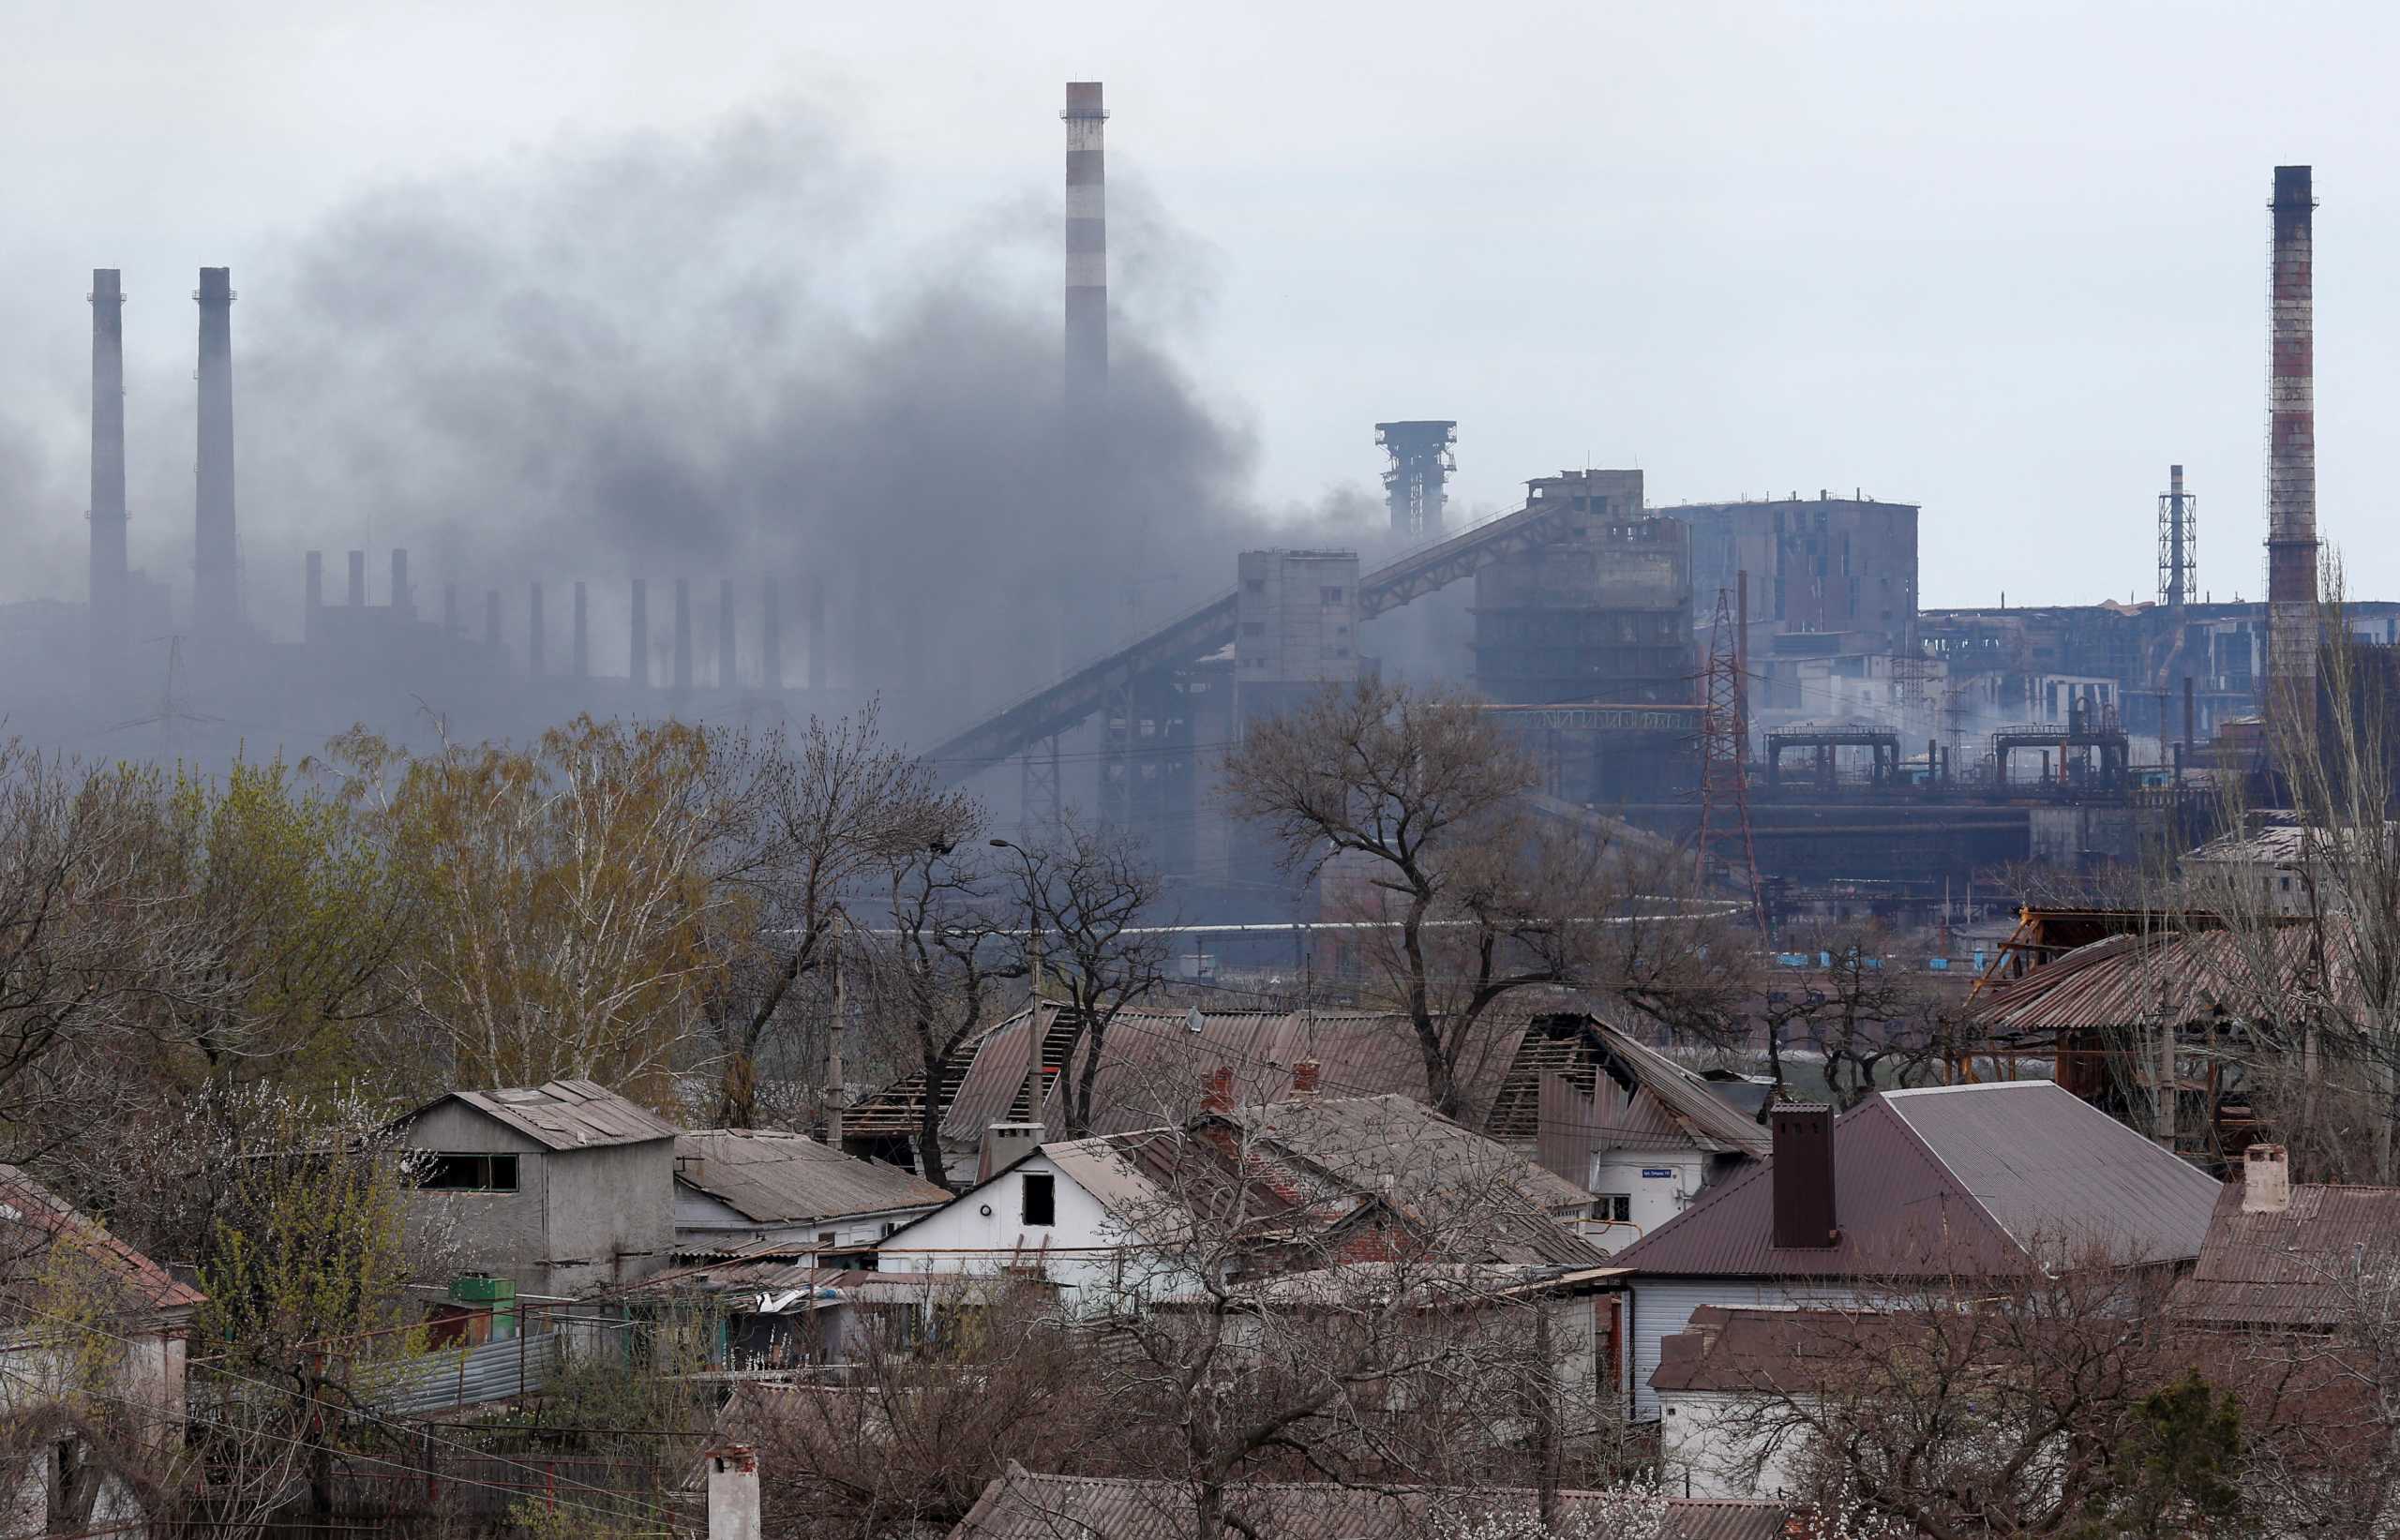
711 357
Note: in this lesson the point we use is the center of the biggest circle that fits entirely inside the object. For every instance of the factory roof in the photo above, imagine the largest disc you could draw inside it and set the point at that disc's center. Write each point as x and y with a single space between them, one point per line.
563 1115
1023 1505
774 1177
1968 1179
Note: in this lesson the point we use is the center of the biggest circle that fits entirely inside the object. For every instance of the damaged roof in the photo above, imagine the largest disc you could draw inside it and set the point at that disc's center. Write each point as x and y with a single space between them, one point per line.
35 1222
1024 1505
563 1115
2182 976
772 1178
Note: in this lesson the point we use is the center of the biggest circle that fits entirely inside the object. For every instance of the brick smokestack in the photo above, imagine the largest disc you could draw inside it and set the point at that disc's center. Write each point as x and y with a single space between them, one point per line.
107 617
2292 448
216 584
1086 245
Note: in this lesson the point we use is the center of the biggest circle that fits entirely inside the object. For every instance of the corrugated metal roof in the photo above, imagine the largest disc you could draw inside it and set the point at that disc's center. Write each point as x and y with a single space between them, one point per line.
1154 1066
766 1277
564 1114
781 1178
2289 1268
34 1221
2186 976
1961 1179
2059 1174
1023 1505
1697 1107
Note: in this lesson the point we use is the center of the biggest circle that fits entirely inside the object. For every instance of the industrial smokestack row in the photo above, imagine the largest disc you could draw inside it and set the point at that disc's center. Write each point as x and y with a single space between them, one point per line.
108 619
2292 448
217 582
1086 245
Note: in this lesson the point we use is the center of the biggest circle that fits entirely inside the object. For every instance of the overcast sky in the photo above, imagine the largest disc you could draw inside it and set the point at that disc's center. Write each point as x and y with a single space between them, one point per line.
2004 260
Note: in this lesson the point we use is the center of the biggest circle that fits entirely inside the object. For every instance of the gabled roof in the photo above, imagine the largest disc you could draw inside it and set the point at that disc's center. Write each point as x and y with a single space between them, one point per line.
1961 1179
2293 1267
1023 1505
1693 1106
35 1222
1784 1352
563 1115
772 1178
2185 976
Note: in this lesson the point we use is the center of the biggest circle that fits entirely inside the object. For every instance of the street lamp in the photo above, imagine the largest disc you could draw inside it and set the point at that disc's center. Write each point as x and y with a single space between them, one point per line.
1033 967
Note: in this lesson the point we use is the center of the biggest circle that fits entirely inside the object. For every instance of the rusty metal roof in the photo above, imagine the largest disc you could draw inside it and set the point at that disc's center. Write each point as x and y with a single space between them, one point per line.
564 1114
2184 975
33 1221
1154 1065
780 1178
1698 1109
1959 1180
1024 1505
2290 1268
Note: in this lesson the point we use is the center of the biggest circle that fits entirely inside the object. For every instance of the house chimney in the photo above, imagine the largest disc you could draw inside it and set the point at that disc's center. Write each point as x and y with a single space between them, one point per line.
1004 1145
2266 1179
106 614
1304 1077
1220 1095
216 585
733 1492
1802 1176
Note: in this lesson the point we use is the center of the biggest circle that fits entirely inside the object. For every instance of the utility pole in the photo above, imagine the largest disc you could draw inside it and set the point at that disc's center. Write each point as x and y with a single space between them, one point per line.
834 1055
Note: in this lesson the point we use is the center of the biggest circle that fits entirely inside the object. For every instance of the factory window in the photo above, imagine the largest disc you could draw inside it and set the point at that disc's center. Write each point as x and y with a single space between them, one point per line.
468 1174
1331 595
1041 1197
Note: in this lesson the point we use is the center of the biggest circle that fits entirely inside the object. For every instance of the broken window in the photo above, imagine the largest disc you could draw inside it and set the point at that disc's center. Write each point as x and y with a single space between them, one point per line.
468 1174
1041 1197
1614 1205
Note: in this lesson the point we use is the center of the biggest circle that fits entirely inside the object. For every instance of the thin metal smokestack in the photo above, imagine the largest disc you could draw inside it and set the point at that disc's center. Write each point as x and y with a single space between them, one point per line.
534 638
682 634
105 599
771 613
2292 448
1087 245
639 670
725 633
217 582
581 656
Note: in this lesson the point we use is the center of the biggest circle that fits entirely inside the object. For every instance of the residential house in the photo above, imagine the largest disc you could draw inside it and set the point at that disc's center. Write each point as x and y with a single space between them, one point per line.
1942 1182
1582 1097
1021 1505
559 1188
1713 1379
741 1190
94 1337
2290 1257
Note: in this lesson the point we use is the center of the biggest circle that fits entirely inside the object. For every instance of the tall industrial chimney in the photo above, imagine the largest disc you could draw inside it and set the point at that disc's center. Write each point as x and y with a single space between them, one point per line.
639 671
2177 554
2291 449
580 657
216 583
1086 245
771 612
725 633
107 617
682 634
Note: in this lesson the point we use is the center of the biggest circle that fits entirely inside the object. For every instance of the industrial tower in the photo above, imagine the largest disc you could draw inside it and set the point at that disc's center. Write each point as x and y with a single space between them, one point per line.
2178 542
1422 462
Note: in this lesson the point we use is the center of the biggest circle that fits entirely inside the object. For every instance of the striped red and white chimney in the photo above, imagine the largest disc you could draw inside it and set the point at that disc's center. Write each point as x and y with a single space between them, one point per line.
2292 448
1087 245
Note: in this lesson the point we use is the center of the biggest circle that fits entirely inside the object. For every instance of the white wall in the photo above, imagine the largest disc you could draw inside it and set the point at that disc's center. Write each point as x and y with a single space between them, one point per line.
1705 1450
1657 1199
704 1222
1088 1252
1662 1307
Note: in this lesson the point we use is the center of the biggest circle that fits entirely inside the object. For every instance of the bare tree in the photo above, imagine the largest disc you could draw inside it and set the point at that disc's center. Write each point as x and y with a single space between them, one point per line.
1849 1010
1093 897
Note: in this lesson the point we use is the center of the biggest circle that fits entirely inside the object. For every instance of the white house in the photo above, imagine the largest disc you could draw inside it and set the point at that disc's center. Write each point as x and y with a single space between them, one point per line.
1940 1183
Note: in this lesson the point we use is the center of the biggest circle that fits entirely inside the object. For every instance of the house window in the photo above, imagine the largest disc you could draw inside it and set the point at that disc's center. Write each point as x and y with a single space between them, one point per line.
468 1174
825 1238
1041 1197
1614 1205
